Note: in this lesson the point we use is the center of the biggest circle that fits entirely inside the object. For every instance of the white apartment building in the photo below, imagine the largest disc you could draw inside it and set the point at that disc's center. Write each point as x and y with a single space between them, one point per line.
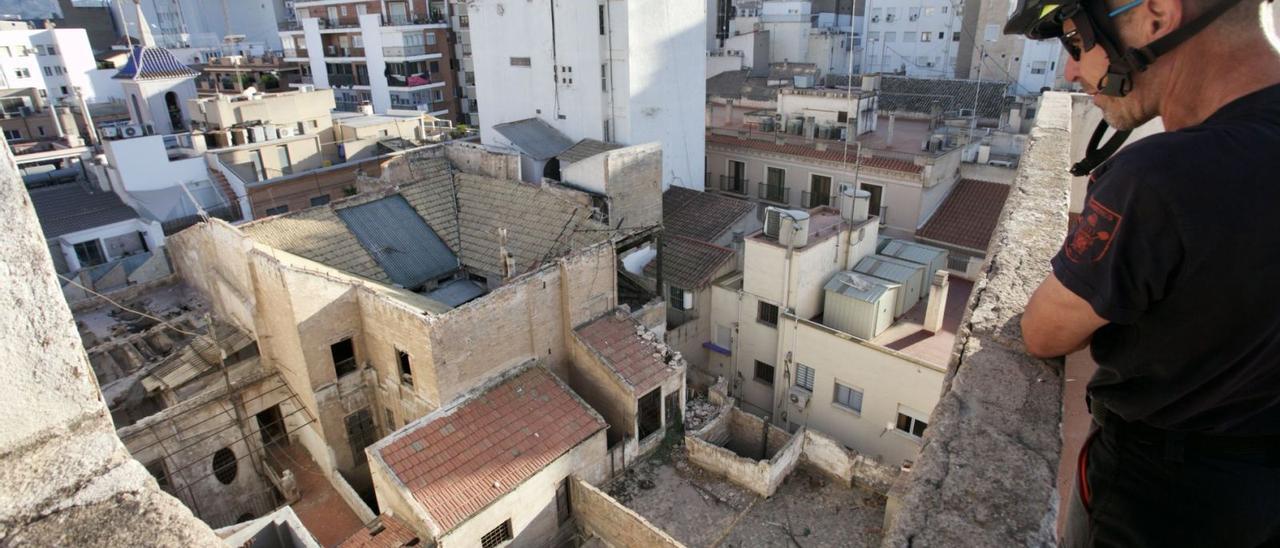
803 333
199 24
921 38
626 72
394 55
53 61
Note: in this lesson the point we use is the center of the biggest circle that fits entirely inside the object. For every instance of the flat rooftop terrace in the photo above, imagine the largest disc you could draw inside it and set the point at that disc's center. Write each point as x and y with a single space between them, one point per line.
698 508
907 334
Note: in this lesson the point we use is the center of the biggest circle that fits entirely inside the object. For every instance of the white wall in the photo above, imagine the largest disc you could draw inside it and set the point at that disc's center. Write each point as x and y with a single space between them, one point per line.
1045 56
207 24
72 54
884 55
652 90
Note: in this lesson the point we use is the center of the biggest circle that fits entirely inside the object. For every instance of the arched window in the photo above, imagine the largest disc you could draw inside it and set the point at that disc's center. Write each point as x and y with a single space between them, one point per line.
175 111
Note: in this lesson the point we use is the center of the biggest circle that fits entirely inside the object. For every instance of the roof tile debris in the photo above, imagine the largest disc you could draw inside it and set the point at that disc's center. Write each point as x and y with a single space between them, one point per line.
701 215
833 154
390 533
68 208
458 460
968 216
688 263
584 149
627 349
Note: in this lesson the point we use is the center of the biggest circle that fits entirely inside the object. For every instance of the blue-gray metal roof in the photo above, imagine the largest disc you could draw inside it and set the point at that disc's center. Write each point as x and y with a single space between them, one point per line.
888 268
66 208
400 241
911 251
858 286
457 292
534 137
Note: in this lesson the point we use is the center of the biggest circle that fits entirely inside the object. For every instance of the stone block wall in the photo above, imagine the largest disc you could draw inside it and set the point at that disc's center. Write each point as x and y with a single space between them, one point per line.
987 473
601 516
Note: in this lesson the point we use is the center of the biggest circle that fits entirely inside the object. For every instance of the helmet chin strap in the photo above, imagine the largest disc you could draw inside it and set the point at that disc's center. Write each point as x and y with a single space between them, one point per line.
1093 155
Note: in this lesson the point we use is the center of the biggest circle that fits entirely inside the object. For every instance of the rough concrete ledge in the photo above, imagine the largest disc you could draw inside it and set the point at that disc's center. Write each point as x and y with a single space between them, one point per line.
987 472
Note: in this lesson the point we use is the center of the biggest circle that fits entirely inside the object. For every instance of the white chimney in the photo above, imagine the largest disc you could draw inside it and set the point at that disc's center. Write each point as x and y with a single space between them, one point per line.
366 109
937 306
889 138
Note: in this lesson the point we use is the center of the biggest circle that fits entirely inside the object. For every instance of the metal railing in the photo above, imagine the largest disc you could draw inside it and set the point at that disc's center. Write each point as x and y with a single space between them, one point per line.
811 200
737 185
434 18
295 52
292 24
774 193
227 213
404 51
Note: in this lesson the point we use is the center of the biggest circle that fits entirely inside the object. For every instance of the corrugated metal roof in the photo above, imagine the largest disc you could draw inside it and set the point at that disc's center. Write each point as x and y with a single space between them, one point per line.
911 251
888 268
586 148
456 292
399 240
63 209
857 286
535 138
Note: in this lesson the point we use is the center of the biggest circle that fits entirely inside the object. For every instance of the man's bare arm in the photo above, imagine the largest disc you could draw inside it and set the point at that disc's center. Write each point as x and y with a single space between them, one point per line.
1057 321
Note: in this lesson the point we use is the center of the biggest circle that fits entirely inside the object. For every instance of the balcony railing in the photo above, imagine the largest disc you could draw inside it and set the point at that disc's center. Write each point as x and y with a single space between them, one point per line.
295 52
737 185
404 51
774 193
810 200
292 24
435 18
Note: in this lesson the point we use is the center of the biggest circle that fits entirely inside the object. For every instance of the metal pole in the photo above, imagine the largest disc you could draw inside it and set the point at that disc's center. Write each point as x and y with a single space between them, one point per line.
977 88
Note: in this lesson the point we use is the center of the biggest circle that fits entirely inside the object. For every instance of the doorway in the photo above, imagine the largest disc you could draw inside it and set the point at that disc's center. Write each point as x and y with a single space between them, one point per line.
271 426
175 112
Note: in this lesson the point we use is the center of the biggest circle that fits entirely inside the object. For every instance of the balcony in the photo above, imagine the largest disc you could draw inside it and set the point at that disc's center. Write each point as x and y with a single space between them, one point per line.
406 51
736 185
809 200
290 25
774 193
435 18
295 53
988 472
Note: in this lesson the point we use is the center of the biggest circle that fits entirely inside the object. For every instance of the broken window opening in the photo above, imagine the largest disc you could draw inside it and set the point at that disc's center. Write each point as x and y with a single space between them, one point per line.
650 413
344 356
406 368
360 433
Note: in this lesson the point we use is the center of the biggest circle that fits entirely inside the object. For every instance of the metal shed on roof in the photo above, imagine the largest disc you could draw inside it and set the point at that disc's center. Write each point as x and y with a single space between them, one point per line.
858 304
400 241
909 274
934 258
535 138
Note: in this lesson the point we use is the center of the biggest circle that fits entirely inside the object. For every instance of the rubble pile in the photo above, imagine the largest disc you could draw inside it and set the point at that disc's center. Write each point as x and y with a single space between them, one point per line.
698 412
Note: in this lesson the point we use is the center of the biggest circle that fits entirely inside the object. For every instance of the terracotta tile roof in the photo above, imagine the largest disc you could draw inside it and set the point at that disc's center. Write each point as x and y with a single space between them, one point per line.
832 154
701 215
968 216
392 534
459 459
688 263
627 353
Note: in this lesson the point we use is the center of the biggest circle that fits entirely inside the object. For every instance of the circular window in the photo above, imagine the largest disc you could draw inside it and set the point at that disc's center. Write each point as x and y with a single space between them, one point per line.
224 465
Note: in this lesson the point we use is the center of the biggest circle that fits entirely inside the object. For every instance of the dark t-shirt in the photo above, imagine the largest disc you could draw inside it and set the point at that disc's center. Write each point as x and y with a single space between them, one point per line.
1178 247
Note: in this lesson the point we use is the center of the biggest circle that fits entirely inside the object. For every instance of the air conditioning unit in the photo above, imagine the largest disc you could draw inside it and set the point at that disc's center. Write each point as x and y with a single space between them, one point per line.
800 397
773 221
875 19
914 17
257 134
286 132
272 132
110 132
307 88
888 18
788 226
131 130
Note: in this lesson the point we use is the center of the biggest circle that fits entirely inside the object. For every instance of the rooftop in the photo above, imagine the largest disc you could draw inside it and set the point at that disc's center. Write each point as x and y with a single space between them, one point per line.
618 340
584 149
458 459
907 334
824 222
535 138
688 263
739 84
917 95
831 154
68 208
371 120
386 532
968 216
153 63
701 215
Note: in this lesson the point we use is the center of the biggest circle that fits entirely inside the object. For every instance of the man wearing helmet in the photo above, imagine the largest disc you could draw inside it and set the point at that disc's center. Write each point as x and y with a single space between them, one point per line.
1170 275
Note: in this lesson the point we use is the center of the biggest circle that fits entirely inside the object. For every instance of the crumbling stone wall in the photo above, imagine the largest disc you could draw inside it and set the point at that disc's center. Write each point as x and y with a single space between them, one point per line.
736 462
601 516
67 479
848 466
987 473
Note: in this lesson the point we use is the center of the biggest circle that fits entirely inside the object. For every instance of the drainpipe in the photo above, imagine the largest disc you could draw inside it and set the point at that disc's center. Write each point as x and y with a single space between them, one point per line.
780 385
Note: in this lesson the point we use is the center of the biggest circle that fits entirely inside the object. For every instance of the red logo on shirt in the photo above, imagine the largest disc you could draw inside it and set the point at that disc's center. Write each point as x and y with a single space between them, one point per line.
1094 233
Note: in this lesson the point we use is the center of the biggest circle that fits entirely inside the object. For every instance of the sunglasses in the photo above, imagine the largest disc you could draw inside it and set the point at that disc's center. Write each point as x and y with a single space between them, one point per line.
1081 39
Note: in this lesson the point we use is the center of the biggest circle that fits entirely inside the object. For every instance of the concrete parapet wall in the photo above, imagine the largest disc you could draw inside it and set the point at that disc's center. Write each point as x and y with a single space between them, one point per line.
615 524
987 473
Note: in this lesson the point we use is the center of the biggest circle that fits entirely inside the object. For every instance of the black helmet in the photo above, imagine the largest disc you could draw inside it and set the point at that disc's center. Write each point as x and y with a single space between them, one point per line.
1040 19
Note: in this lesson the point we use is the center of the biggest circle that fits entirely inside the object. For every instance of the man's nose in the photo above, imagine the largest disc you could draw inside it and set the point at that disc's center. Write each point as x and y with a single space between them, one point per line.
1072 70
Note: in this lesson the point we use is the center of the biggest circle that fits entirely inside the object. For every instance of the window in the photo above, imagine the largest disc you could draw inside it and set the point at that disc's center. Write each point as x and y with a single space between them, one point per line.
4 51
160 473
48 71
64 90
842 116
955 37
277 210
676 298
342 10
360 433
604 79
521 61
12 134
497 536
942 35
431 38
319 200
406 368
775 176
433 67
1038 67
224 465
357 41
464 21
344 356
601 13
944 9
40 129
804 377
848 398
911 425
58 70
926 37
767 314
764 373
649 413
90 253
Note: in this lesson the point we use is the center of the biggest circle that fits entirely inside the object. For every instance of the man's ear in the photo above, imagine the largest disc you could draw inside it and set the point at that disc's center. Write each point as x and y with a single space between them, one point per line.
1162 16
